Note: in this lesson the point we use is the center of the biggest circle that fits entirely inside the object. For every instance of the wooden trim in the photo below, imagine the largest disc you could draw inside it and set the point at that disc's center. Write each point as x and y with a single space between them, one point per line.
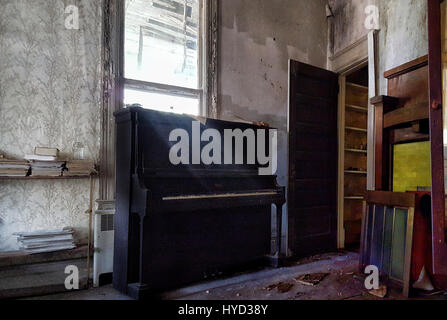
362 263
382 105
373 91
161 88
346 50
408 252
211 58
405 115
350 58
112 91
407 67
391 199
341 161
436 137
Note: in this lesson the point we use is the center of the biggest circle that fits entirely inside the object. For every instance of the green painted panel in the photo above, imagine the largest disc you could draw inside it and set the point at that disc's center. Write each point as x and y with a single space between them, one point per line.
412 167
387 241
398 244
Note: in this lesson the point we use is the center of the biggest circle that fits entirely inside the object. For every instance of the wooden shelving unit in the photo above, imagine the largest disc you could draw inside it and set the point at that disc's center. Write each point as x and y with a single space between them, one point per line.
353 173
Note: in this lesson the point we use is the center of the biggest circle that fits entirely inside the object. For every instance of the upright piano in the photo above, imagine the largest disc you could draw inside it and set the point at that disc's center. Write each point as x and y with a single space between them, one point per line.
179 224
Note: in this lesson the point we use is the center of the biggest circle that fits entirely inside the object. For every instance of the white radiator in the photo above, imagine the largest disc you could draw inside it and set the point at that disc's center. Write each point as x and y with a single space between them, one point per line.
103 239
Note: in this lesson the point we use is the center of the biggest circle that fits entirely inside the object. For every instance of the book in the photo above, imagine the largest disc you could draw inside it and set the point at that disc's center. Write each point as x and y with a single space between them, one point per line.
47 164
46 240
44 151
80 168
35 157
46 173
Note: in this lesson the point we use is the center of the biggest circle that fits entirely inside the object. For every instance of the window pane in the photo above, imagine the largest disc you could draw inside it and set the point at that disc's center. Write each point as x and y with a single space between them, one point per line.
162 102
161 41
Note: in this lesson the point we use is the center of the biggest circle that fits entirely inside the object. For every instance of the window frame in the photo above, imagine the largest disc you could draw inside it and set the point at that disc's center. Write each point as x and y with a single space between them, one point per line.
113 81
206 92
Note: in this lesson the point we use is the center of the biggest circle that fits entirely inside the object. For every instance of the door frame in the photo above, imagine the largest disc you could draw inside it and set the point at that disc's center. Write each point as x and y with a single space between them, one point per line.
368 58
341 150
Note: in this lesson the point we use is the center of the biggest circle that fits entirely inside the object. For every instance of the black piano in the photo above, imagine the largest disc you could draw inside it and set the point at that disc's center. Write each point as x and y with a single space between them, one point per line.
179 224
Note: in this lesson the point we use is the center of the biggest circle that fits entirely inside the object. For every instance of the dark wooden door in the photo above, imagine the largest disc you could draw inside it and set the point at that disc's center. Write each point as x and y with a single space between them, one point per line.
313 158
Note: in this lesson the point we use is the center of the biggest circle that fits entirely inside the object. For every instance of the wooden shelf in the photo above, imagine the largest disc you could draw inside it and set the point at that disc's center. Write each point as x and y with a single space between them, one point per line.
357 108
355 172
356 151
48 178
354 198
357 129
357 85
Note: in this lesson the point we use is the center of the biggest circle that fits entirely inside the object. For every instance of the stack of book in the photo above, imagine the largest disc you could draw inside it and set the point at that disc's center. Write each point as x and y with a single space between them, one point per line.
46 241
13 168
44 163
80 168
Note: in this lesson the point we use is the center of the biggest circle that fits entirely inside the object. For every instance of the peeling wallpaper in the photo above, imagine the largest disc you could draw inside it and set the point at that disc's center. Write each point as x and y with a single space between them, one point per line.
50 95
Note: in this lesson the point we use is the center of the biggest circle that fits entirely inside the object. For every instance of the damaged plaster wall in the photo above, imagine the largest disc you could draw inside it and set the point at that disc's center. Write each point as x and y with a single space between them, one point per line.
402 37
256 40
348 23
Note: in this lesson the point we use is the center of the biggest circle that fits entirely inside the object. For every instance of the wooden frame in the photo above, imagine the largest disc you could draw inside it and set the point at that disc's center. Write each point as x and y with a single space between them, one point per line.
113 81
112 90
354 57
406 201
208 71
401 117
341 232
437 144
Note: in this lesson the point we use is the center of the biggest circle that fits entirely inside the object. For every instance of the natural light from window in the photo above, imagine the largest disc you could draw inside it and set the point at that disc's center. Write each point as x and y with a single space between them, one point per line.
162 48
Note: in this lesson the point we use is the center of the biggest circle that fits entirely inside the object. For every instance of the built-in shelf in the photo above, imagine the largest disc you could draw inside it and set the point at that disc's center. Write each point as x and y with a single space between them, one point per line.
356 172
356 129
356 151
357 108
354 198
48 178
356 85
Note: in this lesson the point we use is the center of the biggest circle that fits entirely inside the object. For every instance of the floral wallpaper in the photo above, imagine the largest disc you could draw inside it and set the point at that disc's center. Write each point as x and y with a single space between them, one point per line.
50 95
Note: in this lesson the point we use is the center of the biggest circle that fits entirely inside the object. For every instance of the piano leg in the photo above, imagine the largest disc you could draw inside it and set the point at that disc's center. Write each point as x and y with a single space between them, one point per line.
140 290
277 260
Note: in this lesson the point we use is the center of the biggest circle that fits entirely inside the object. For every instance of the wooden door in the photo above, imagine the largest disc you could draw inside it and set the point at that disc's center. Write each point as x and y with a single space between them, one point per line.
313 157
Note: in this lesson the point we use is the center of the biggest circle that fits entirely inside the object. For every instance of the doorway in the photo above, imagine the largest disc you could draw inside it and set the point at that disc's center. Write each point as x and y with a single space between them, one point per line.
353 154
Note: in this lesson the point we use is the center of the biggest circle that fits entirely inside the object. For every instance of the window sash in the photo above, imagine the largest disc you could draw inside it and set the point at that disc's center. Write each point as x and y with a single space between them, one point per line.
171 90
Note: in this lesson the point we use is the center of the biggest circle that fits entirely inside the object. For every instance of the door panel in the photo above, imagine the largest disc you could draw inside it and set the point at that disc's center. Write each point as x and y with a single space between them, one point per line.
313 156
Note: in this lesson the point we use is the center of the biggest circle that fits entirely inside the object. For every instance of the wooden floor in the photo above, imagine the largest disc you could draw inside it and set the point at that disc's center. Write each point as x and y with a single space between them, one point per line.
342 283
38 279
24 275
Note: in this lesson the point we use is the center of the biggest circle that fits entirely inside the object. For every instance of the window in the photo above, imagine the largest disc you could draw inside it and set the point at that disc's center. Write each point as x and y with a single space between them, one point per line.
164 55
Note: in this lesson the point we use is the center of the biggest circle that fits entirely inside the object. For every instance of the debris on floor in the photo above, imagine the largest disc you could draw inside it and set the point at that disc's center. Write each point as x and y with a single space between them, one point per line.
282 287
311 279
380 293
299 295
319 257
